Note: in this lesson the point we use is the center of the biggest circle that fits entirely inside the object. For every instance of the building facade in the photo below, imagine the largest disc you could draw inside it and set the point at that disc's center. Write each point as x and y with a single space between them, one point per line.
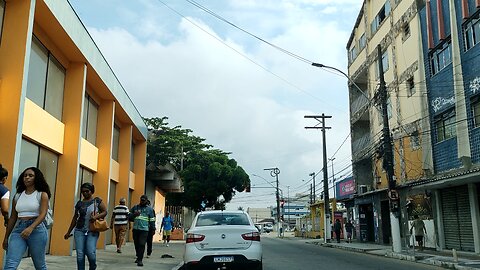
451 49
393 27
63 110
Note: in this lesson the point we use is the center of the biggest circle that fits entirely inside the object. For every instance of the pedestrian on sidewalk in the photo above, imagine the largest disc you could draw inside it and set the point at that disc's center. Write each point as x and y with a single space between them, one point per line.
349 229
143 218
4 195
167 225
26 227
337 227
420 231
151 232
86 240
119 223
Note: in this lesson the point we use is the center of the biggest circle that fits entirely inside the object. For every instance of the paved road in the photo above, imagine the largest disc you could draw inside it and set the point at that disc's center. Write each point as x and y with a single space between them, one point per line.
283 254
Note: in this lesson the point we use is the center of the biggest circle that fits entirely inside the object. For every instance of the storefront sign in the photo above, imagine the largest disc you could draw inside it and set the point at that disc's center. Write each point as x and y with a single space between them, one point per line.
345 188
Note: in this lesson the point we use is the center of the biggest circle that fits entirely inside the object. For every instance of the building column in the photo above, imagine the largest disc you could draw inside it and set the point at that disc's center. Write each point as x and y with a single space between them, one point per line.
14 58
124 148
475 213
68 162
439 217
463 140
101 179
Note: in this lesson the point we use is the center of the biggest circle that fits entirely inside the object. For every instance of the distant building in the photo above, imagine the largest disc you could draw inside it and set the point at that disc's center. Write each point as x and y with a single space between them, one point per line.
259 214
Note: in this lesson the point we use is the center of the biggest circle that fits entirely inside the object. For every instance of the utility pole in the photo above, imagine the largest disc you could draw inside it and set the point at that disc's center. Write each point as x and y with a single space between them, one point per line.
274 172
321 119
388 160
314 195
333 179
311 198
288 205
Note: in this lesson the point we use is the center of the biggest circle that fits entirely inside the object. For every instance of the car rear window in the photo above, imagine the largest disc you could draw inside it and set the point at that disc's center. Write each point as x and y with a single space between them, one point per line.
222 219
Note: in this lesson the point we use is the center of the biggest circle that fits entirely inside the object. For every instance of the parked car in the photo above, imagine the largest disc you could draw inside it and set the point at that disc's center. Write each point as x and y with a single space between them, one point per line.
268 227
219 239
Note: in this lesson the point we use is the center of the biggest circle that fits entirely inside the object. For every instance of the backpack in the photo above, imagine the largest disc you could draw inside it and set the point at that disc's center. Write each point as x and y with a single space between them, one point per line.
48 221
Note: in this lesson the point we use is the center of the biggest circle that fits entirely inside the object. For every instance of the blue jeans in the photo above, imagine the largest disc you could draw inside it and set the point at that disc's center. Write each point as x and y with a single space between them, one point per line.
86 244
36 243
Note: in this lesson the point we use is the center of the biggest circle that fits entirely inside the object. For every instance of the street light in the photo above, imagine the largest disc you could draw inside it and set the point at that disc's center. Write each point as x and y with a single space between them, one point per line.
274 172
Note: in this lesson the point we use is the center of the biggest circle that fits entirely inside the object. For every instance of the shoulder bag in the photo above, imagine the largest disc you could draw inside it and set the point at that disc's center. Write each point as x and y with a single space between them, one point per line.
97 225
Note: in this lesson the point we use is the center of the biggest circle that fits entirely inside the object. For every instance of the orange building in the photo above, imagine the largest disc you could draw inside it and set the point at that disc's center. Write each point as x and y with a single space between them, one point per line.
63 109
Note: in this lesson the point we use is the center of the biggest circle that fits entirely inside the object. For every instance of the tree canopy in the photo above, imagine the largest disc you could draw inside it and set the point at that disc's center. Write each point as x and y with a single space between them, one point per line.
209 175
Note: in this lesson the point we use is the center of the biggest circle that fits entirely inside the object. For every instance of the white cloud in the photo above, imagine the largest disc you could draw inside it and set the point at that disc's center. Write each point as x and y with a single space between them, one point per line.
235 104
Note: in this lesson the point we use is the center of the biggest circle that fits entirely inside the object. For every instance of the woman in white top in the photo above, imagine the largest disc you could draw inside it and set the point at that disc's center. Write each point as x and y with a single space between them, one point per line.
25 226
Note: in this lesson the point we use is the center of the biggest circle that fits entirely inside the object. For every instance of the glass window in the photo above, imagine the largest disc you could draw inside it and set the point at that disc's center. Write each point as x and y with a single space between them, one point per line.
84 176
472 32
2 12
116 142
445 126
410 87
215 219
46 78
48 164
90 118
362 42
476 113
440 57
55 86
36 73
29 153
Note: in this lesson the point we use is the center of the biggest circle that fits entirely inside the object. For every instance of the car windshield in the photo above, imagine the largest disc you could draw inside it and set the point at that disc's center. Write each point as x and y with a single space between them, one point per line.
214 219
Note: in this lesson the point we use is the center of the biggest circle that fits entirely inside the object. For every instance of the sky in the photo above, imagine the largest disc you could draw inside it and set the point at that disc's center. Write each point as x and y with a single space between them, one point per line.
241 94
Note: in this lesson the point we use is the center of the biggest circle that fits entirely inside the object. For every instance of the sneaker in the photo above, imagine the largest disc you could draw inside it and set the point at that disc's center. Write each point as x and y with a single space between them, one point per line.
119 251
136 260
167 245
148 256
140 263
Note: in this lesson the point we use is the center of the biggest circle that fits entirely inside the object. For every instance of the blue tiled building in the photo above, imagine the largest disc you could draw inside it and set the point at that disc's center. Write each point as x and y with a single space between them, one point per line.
451 53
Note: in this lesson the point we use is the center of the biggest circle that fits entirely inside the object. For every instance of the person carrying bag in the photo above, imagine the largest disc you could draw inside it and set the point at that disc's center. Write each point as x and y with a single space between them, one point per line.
87 211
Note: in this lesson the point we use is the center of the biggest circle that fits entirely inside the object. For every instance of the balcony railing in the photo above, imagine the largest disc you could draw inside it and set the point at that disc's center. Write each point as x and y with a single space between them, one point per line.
360 144
358 104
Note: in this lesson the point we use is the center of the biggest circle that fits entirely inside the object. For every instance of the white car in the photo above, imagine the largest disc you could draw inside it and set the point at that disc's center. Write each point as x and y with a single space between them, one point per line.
224 240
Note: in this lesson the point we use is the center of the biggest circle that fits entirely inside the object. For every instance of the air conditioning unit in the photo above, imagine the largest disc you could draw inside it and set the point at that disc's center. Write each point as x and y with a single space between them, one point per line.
362 189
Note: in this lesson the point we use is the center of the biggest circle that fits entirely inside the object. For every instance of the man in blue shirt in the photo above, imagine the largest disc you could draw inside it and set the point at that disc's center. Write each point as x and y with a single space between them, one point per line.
167 225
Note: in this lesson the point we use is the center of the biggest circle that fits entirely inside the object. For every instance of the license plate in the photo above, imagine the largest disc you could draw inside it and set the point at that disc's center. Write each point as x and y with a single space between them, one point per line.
224 259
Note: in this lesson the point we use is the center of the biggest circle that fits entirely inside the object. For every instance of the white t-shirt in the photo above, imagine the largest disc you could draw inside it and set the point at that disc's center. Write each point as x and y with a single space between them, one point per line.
28 205
6 196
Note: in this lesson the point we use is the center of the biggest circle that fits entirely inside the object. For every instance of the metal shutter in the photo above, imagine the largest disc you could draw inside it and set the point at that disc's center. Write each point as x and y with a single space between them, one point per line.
457 220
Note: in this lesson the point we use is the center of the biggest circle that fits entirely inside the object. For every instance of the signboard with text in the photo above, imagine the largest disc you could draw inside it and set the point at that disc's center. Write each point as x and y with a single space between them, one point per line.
345 188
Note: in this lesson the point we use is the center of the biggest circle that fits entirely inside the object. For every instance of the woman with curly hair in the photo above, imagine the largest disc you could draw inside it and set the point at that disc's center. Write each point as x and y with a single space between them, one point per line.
25 226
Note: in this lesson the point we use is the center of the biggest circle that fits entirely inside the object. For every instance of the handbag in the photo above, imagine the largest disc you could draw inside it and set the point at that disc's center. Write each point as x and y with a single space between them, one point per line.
49 217
98 225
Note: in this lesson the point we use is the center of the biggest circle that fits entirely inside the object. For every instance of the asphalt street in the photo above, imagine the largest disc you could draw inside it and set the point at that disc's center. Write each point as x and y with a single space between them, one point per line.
288 254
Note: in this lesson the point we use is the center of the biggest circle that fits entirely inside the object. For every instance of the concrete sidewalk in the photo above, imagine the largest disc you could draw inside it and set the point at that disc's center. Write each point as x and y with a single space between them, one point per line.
110 259
465 261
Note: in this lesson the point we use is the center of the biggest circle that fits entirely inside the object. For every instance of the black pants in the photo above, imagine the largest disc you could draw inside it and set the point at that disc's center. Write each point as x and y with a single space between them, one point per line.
337 235
150 241
139 240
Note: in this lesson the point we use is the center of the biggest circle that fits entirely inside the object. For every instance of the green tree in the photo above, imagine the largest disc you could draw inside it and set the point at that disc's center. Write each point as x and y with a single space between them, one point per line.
208 175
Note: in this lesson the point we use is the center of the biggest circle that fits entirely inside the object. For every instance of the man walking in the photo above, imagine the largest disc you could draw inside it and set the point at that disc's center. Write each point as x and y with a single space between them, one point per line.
420 231
337 228
151 232
143 218
349 229
119 223
167 225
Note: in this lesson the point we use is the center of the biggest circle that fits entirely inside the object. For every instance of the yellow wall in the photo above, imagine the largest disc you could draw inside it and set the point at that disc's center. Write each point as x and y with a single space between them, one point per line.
19 117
